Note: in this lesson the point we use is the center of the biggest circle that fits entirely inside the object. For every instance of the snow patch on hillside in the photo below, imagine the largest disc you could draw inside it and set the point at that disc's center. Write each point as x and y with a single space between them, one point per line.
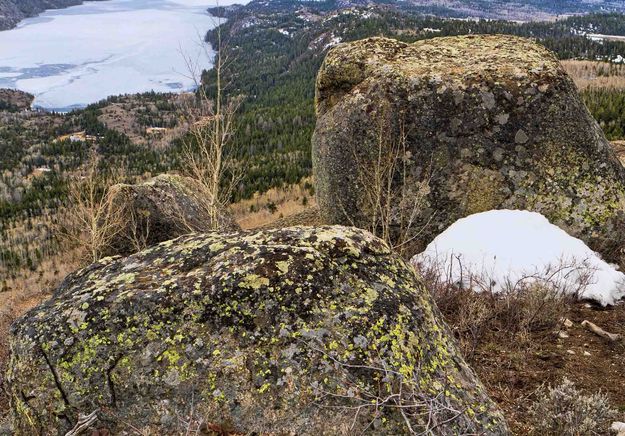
499 249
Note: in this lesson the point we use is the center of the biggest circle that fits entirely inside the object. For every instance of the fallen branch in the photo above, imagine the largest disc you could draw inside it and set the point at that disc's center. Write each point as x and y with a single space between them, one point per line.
84 422
600 332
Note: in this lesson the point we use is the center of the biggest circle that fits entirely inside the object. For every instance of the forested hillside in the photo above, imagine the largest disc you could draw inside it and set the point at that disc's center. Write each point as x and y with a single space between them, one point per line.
276 56
13 11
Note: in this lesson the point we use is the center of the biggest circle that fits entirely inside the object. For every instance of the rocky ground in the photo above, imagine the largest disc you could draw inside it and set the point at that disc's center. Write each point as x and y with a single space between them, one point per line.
512 368
513 371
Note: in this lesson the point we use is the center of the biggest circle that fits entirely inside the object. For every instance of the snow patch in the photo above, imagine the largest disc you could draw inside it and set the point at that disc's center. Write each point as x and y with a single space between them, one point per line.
335 40
506 247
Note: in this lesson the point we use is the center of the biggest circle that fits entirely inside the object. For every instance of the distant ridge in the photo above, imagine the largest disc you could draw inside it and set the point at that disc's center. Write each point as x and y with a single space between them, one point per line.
514 10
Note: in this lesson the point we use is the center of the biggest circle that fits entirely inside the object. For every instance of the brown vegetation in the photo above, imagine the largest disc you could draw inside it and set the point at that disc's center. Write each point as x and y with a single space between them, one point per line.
16 100
592 74
92 221
145 119
519 343
263 210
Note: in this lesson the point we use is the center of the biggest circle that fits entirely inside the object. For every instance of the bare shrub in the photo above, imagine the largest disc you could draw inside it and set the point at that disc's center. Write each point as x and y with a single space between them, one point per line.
391 199
208 116
91 221
565 411
423 411
530 304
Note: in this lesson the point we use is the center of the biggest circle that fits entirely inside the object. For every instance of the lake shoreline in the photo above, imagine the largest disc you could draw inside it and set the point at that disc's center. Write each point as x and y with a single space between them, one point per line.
12 16
69 59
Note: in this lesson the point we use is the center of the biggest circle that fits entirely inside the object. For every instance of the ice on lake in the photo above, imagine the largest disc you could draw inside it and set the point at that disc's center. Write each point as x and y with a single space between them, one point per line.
72 57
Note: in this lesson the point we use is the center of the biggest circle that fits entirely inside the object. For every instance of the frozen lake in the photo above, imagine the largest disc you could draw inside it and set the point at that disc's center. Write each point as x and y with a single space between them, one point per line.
71 57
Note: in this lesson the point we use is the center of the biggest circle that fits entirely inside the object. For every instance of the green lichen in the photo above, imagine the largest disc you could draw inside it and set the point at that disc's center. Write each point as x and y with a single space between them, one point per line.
263 326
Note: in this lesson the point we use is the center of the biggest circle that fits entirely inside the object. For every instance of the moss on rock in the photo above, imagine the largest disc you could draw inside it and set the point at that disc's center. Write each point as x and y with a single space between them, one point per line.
293 331
492 122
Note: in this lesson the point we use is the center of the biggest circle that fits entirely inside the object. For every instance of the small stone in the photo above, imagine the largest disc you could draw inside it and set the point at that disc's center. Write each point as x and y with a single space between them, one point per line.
521 137
488 99
498 154
567 323
570 352
172 377
563 335
618 427
503 118
586 353
166 419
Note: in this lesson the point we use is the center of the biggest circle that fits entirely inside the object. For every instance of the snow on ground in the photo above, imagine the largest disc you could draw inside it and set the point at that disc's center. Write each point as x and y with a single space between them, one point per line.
335 40
79 55
500 248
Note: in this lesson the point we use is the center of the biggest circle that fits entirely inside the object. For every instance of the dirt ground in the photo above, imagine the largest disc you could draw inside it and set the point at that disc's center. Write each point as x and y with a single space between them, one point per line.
513 374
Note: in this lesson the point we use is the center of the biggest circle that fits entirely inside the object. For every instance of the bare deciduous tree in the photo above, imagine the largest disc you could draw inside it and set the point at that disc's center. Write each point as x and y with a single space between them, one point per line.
91 220
208 116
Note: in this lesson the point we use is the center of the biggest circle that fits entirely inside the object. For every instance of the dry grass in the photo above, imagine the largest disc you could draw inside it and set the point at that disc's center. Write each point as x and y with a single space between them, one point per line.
517 343
619 149
591 74
564 410
513 314
277 203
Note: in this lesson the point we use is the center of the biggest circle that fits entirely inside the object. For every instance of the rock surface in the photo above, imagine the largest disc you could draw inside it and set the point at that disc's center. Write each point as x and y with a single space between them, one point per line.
493 122
292 331
163 208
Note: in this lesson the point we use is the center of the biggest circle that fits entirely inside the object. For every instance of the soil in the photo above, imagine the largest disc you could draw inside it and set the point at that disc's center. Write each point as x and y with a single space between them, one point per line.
514 372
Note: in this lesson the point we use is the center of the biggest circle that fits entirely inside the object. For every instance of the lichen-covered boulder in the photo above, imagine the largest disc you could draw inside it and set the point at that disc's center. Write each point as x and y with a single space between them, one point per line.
291 331
488 122
163 208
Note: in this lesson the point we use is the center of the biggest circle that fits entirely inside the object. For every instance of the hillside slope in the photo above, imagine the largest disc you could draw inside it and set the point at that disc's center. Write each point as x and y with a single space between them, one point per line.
13 11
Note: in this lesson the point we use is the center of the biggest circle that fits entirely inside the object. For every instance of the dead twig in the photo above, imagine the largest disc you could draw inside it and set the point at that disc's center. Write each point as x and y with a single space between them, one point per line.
84 422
